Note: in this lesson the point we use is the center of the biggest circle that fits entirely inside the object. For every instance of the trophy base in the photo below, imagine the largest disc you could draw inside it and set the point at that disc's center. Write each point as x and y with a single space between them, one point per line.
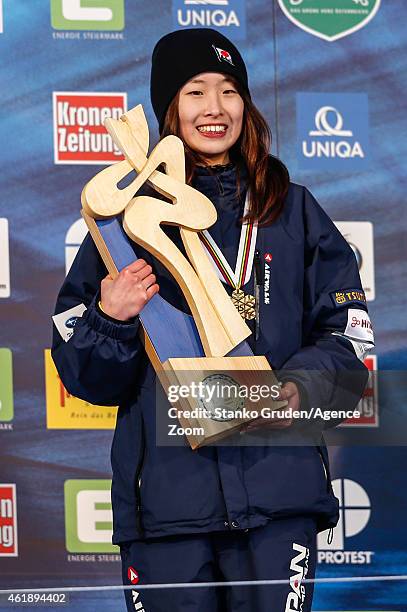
223 388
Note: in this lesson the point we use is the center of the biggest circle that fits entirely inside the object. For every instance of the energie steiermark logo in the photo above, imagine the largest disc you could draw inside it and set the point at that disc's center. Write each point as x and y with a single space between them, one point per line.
6 388
88 516
330 19
87 14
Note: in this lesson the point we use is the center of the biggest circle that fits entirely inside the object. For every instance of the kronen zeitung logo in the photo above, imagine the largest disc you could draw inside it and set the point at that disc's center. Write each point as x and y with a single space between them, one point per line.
79 134
221 14
330 19
8 521
354 515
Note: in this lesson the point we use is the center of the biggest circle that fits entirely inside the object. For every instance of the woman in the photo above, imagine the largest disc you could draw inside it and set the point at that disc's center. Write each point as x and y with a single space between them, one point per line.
236 512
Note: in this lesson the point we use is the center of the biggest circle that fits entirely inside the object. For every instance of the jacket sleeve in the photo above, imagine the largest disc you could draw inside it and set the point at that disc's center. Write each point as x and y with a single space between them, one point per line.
95 355
337 333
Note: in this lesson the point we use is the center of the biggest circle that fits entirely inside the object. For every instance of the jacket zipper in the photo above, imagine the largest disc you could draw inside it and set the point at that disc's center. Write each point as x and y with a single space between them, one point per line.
326 470
329 487
138 481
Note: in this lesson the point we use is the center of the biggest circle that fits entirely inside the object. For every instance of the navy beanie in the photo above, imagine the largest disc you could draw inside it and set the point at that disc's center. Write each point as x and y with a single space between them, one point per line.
180 55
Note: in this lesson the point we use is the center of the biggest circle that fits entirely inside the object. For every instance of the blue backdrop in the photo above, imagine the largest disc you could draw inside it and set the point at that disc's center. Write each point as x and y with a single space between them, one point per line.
336 112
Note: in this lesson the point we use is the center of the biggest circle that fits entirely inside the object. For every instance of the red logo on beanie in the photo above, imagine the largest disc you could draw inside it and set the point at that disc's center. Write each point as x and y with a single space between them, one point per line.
223 56
132 575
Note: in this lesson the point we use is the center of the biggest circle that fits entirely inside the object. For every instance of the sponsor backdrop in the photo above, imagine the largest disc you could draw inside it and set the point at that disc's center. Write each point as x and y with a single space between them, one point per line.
327 75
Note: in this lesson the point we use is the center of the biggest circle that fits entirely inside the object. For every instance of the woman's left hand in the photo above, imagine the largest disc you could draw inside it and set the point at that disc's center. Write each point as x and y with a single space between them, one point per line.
289 392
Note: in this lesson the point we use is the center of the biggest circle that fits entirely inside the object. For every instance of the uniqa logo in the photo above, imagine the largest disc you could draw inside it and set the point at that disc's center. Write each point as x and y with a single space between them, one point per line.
354 515
331 147
207 17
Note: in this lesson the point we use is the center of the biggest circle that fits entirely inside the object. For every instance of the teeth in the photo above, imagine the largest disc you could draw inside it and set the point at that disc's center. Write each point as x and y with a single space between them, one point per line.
212 128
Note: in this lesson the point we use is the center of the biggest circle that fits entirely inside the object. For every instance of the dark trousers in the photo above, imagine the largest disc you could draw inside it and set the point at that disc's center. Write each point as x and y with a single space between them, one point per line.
284 549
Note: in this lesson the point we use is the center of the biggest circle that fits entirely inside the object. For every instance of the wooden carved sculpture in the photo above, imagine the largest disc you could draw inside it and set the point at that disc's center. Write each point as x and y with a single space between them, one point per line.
213 338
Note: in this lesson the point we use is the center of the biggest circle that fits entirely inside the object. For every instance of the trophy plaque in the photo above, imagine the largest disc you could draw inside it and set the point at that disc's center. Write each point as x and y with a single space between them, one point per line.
209 342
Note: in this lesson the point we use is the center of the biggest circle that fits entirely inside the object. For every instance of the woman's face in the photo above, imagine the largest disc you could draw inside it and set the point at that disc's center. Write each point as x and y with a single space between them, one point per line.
210 113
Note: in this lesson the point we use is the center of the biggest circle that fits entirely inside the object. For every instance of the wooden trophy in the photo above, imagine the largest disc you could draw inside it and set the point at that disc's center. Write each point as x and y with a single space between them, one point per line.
209 343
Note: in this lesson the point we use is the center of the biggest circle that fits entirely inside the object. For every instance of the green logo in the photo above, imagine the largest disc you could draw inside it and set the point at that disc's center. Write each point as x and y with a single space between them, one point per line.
87 14
6 385
88 516
330 19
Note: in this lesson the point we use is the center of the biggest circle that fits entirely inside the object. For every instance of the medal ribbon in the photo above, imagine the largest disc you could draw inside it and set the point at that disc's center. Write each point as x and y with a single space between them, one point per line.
245 254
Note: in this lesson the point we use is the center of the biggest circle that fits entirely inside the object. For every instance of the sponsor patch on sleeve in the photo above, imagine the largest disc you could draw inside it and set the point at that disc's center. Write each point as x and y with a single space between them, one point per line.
348 296
359 326
65 321
362 349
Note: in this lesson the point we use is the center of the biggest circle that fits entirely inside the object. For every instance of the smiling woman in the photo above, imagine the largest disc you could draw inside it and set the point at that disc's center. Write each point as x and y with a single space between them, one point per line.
249 510
206 101
210 112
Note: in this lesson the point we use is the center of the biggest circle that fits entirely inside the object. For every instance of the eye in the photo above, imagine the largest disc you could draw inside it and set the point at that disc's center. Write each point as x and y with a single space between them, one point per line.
230 91
195 92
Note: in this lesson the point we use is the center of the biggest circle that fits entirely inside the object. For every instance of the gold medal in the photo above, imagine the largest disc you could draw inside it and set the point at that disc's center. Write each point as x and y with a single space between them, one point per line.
244 303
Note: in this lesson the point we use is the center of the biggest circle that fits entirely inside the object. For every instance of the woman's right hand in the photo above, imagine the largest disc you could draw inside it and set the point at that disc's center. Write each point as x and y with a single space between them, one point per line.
125 296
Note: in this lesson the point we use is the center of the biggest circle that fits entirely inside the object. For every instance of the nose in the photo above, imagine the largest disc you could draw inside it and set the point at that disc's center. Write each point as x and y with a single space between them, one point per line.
213 104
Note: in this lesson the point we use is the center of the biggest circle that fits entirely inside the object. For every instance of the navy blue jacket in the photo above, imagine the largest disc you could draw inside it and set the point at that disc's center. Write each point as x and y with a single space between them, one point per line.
304 330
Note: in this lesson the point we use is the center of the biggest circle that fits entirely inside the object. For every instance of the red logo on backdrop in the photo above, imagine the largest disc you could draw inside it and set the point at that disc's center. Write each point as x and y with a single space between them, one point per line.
8 521
79 134
268 256
132 575
368 405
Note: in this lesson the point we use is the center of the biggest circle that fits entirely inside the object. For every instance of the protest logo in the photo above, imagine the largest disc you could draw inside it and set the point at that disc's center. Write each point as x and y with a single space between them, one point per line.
354 515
